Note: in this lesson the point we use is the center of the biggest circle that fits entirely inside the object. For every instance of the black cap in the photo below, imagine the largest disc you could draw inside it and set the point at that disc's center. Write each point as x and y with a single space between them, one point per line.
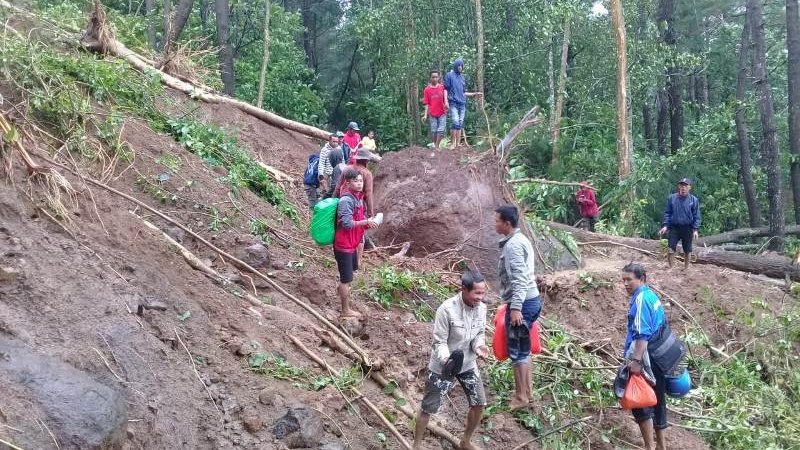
685 181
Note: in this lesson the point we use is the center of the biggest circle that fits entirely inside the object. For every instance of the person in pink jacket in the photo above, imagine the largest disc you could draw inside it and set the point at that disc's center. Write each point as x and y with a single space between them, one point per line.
588 204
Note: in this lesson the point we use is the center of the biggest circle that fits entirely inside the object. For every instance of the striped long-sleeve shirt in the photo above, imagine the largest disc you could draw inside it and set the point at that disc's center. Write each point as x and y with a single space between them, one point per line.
325 167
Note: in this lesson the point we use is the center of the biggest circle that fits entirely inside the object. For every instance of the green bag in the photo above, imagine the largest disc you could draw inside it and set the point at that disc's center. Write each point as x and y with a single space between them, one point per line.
323 221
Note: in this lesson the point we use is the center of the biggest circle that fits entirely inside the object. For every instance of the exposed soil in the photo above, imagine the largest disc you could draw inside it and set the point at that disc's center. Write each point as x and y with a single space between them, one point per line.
73 296
443 202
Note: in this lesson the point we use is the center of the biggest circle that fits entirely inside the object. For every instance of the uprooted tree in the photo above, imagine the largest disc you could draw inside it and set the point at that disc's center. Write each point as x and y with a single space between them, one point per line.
771 265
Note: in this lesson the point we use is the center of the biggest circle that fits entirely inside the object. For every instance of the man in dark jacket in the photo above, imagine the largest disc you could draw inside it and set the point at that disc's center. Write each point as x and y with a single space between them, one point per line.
457 95
681 221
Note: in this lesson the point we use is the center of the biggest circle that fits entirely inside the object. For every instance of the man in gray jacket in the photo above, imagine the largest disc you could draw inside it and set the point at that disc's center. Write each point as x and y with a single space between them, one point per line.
459 327
518 289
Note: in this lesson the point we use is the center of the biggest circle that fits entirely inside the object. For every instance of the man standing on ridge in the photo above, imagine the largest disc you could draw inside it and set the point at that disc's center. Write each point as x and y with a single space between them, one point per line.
458 333
518 289
681 221
457 100
435 101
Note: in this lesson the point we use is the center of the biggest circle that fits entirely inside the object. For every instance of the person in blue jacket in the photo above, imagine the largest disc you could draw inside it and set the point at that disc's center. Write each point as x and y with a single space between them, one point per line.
681 221
457 95
646 324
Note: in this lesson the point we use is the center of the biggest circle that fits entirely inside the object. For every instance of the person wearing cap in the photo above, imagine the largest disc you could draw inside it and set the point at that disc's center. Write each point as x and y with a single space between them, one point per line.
361 158
588 204
457 95
459 333
352 139
681 221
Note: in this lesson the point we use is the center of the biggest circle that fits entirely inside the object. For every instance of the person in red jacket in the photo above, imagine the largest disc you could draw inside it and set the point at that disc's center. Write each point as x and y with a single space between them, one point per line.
351 223
588 204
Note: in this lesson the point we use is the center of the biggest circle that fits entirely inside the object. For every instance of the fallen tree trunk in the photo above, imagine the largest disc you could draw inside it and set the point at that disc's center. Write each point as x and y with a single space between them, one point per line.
775 266
98 37
531 118
741 233
543 181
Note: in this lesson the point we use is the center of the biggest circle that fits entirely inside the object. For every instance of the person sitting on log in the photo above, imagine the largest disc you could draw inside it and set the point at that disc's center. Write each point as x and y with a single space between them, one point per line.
681 221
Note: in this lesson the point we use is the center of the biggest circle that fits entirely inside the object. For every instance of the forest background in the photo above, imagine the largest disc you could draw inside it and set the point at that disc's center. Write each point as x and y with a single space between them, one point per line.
709 90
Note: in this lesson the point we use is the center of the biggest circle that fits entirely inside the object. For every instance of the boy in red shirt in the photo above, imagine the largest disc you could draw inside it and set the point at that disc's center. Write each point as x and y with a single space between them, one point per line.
351 223
435 101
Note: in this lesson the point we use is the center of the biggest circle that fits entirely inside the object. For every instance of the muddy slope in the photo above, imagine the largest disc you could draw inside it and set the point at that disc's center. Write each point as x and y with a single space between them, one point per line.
443 202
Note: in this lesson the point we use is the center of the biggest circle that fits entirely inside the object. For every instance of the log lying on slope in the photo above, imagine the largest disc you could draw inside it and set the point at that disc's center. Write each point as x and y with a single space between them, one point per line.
98 37
775 266
741 233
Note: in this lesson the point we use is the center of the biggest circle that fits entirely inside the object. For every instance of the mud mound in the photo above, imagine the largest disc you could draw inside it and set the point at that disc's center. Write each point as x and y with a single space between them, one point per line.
440 200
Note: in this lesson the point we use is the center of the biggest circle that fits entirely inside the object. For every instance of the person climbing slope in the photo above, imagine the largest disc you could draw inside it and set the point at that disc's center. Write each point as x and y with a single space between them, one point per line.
351 141
518 289
351 223
459 332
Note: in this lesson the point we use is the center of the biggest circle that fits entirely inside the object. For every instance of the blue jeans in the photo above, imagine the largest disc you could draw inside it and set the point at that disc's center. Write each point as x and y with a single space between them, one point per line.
519 336
457 113
437 124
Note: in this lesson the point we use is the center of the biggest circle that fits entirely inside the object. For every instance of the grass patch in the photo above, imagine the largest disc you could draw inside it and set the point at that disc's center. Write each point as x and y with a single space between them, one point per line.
562 393
277 367
419 293
61 89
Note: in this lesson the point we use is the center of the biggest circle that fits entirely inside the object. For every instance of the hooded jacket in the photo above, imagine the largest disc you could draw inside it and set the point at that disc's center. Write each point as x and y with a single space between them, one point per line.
455 85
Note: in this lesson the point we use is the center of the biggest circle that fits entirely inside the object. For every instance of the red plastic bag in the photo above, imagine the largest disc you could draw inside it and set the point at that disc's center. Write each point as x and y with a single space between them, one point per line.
536 345
499 341
638 393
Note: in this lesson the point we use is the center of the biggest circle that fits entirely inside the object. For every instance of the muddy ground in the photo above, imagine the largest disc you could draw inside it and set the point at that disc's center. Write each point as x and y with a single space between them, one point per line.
177 376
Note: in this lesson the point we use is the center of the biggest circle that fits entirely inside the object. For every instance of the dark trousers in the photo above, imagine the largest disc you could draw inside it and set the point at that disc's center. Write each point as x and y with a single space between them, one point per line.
659 412
682 233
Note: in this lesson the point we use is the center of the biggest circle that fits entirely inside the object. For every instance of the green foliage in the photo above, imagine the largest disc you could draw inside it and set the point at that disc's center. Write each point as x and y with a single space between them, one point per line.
276 366
216 148
589 282
290 85
407 289
563 393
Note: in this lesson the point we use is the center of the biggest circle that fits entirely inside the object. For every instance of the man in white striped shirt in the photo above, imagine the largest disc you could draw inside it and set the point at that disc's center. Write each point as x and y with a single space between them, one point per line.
325 168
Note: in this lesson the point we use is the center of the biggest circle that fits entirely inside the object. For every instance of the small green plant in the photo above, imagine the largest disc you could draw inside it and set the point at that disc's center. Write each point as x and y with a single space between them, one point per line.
170 161
217 220
590 282
390 287
562 392
277 367
217 149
